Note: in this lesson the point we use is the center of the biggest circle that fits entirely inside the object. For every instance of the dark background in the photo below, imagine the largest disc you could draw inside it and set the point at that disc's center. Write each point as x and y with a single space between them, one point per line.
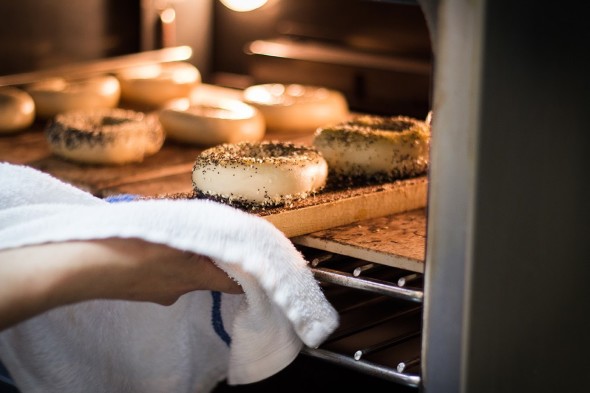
40 34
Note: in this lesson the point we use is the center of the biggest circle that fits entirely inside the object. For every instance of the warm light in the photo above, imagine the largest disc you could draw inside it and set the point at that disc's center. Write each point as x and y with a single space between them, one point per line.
168 15
265 94
53 84
27 107
276 93
178 104
143 72
222 108
180 73
243 5
111 87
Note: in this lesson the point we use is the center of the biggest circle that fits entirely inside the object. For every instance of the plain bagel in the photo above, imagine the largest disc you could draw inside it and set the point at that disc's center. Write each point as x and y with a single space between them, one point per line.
59 95
212 122
297 108
17 110
260 173
156 84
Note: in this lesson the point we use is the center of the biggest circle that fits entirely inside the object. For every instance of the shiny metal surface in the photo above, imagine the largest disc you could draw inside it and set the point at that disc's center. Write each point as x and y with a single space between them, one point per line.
100 66
322 53
508 203
385 344
367 284
365 366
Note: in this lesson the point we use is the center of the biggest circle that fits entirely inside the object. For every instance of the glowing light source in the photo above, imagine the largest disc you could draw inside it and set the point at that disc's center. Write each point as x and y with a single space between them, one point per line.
168 15
243 5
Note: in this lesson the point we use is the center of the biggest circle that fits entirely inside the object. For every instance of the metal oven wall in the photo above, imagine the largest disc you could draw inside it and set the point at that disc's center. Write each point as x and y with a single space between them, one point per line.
40 34
507 252
377 53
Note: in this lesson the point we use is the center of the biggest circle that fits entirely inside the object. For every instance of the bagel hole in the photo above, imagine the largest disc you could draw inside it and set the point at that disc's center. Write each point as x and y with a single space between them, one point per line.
113 121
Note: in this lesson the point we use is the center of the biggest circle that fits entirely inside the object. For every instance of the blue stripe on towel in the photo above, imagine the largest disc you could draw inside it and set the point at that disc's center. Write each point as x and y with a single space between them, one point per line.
5 377
121 198
216 319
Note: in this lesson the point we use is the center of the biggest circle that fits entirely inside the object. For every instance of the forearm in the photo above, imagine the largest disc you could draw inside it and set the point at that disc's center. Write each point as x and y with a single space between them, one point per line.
35 279
38 278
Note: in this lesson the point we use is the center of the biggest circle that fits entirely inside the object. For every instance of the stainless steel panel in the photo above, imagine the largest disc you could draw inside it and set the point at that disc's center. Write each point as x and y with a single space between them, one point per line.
508 204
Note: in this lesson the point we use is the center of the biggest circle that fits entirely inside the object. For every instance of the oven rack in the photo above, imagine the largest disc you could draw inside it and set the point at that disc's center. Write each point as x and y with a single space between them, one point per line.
376 370
371 286
364 275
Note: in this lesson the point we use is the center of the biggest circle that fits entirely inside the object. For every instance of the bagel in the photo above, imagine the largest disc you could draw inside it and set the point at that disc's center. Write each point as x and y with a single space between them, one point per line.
375 148
59 95
105 136
17 110
155 84
212 122
296 108
259 173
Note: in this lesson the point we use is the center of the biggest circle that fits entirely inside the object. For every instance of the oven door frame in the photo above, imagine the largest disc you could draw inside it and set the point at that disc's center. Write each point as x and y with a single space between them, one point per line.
506 259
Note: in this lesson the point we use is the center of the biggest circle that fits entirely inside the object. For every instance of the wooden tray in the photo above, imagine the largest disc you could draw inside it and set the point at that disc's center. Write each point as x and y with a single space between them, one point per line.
397 240
336 208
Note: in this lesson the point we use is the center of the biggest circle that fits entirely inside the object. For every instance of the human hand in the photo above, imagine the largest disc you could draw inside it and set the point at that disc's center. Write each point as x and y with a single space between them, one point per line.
137 270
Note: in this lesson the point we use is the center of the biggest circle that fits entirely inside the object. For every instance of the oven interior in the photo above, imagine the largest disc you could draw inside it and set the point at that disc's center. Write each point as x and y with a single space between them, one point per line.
378 53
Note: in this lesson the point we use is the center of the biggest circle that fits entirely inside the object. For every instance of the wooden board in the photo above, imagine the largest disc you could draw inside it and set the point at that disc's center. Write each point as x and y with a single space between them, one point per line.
348 206
397 240
331 208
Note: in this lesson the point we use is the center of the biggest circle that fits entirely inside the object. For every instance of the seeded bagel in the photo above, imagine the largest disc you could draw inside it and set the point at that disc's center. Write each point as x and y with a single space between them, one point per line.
259 173
375 148
105 136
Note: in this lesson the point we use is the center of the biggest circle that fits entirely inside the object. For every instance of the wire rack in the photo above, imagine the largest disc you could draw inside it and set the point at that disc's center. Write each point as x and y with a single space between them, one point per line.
380 310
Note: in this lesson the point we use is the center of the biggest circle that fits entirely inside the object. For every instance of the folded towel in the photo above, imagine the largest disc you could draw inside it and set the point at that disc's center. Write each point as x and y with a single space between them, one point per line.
205 337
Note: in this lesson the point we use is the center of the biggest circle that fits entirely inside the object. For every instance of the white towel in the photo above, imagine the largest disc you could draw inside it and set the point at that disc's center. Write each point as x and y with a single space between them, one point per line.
120 346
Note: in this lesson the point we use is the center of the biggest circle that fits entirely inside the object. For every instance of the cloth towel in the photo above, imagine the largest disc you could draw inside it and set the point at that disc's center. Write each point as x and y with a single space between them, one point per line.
124 346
